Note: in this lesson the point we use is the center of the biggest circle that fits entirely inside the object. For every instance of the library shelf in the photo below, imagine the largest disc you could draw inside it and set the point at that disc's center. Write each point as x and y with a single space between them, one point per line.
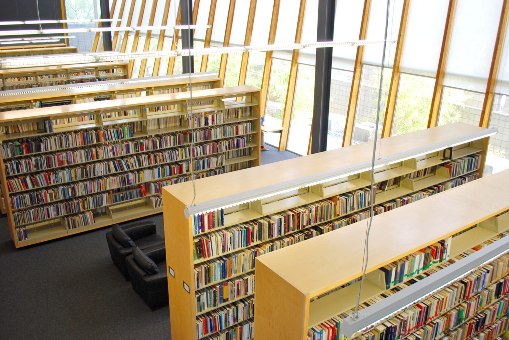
249 198
19 52
299 287
79 93
27 77
46 192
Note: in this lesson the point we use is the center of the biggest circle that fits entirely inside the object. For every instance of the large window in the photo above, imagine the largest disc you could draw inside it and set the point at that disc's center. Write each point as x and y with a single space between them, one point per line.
341 85
82 9
367 103
498 151
460 106
413 103
302 111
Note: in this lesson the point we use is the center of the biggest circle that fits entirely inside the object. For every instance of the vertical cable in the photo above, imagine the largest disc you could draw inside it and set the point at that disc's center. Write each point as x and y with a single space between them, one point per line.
365 257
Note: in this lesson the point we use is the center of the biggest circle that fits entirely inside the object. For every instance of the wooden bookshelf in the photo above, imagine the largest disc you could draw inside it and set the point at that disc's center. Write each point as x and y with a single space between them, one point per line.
111 157
314 183
29 51
26 77
298 287
113 89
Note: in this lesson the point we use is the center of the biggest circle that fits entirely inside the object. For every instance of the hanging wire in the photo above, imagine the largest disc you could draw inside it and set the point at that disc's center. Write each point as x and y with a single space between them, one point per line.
365 257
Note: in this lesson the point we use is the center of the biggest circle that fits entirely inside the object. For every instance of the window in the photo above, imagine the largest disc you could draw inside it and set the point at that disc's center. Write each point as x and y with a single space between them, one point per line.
460 106
413 103
498 149
367 103
302 110
341 85
82 9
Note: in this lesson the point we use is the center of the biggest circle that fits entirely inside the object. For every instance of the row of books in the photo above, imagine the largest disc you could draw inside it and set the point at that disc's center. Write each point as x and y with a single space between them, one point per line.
94 185
463 165
195 121
242 262
83 138
128 195
387 185
42 162
261 230
21 128
351 201
224 317
215 296
79 220
422 173
208 220
48 212
91 171
156 201
447 308
412 265
243 331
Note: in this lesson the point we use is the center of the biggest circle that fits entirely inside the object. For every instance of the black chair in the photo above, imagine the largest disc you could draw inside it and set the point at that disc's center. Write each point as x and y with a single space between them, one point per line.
121 240
147 270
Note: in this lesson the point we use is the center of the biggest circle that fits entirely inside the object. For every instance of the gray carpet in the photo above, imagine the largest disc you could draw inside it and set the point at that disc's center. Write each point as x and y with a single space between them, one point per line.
69 289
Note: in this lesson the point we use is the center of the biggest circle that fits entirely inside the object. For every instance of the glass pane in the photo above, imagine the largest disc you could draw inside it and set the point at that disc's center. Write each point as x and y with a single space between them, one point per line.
460 106
376 31
82 9
423 41
367 103
347 24
260 36
302 110
413 103
240 18
203 17
233 69
307 56
197 58
276 97
341 85
472 42
498 150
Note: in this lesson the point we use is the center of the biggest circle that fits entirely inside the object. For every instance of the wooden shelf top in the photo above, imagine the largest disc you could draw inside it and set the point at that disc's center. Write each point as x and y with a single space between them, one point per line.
38 69
251 183
41 49
108 105
13 96
335 258
32 47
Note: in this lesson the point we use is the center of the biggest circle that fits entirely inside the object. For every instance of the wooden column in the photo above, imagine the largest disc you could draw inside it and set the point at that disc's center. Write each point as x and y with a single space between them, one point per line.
120 16
247 42
356 82
134 48
495 65
442 64
226 40
143 65
292 80
129 20
208 35
393 89
160 42
268 58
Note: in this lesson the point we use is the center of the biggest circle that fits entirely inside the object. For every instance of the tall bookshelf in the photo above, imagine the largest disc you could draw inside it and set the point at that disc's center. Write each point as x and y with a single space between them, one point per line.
304 286
73 168
97 91
27 51
270 207
103 90
26 77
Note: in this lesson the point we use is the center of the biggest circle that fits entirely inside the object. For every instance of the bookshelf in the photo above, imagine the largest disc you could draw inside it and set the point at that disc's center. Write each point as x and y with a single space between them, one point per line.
103 90
262 209
302 286
18 51
73 168
26 77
